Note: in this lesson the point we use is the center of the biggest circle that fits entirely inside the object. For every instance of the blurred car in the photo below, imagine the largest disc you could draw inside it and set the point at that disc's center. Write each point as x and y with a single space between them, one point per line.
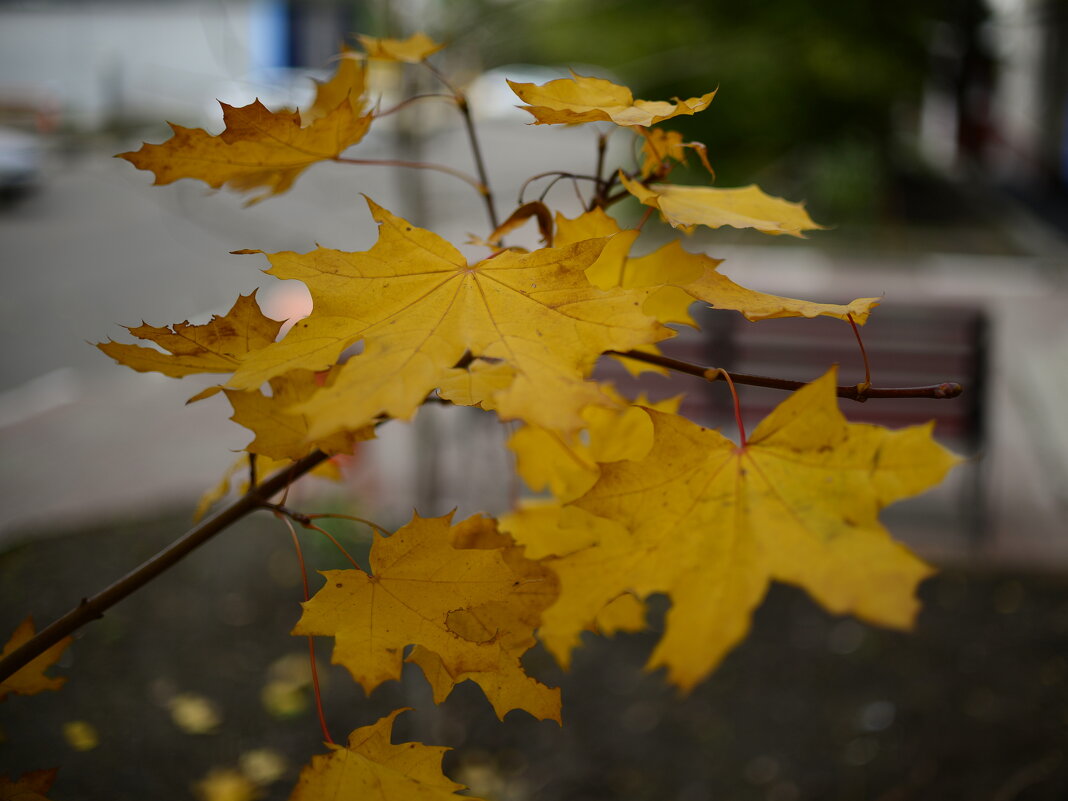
21 161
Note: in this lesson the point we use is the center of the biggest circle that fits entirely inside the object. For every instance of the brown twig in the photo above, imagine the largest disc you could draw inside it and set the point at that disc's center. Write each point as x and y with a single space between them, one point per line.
472 137
945 390
93 608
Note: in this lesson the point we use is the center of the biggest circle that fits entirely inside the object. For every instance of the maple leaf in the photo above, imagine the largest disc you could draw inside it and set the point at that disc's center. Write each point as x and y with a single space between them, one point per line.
474 607
31 679
348 84
418 307
674 278
511 625
30 786
686 207
372 768
711 524
584 99
218 346
659 145
280 432
416 48
569 466
258 149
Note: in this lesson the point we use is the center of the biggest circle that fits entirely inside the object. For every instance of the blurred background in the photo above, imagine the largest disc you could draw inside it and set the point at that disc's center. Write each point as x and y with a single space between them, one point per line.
930 137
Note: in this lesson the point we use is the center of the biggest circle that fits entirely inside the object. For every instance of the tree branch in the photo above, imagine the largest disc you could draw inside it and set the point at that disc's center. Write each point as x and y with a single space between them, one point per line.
859 393
93 608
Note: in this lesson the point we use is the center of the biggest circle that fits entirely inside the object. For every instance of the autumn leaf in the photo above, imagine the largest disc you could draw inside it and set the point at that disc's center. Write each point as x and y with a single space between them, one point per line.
31 679
425 590
743 207
674 278
583 99
30 786
348 85
507 623
659 145
372 768
711 524
419 307
416 48
569 466
218 346
259 149
280 432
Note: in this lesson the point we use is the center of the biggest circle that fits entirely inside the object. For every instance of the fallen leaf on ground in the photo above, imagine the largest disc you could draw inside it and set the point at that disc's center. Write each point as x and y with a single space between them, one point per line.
30 679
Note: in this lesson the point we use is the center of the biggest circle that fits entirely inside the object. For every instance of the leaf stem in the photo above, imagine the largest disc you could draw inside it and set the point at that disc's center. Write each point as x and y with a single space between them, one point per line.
472 137
418 165
863 355
93 608
718 372
943 391
311 642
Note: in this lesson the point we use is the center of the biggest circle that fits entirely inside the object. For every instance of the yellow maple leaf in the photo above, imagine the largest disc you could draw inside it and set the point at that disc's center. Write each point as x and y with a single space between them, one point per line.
348 85
30 786
711 524
218 346
686 207
674 278
371 768
424 590
569 465
281 433
697 276
416 48
659 145
584 99
259 149
30 679
508 623
419 306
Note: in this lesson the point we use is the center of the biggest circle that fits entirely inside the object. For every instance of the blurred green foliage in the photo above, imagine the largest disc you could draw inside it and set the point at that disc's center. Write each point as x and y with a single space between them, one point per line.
814 95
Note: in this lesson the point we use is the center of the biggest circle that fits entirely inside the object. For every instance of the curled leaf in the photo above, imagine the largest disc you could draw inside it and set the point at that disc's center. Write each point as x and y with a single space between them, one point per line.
584 99
744 207
416 48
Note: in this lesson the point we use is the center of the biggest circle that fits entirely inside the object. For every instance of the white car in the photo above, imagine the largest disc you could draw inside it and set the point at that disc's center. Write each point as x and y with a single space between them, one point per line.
21 160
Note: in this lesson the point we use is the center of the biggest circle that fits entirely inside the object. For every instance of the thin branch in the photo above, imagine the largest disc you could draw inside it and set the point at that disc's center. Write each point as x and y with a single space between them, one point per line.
93 608
472 137
405 103
419 165
945 390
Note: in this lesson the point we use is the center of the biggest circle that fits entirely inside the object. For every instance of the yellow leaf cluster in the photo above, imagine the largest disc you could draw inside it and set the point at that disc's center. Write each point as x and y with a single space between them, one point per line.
710 523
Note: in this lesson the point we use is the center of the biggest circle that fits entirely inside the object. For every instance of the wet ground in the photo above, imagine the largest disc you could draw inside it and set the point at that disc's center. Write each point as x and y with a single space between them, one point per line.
973 705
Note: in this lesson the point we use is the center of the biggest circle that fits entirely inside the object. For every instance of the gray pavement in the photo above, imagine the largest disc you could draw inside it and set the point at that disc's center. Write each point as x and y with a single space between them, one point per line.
84 439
